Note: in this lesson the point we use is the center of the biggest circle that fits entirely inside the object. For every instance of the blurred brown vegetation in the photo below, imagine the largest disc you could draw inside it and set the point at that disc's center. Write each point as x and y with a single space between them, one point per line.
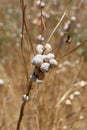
42 112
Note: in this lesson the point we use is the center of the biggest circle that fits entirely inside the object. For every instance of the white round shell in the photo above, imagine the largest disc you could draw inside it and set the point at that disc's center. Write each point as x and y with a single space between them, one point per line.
48 47
25 97
33 78
40 4
50 56
40 38
1 81
45 67
39 49
53 62
37 60
73 18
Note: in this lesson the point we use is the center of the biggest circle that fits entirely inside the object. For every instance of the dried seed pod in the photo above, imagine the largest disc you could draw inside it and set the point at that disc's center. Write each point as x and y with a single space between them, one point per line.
50 56
40 4
41 75
40 38
48 47
39 48
25 97
45 67
37 60
36 71
33 78
53 62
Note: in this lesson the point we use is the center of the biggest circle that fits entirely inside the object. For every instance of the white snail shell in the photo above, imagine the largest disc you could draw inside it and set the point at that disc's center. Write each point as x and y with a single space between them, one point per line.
50 56
40 4
53 62
40 38
48 47
33 78
39 48
73 18
37 60
25 97
45 67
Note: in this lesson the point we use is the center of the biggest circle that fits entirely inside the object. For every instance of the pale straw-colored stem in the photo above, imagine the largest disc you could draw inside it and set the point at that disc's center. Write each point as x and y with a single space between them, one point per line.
51 35
60 102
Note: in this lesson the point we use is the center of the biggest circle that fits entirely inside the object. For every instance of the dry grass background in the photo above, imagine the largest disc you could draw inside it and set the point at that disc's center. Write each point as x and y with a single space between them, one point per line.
43 111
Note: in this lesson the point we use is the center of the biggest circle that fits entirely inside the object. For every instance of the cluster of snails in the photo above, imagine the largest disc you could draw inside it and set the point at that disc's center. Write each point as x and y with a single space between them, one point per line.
43 62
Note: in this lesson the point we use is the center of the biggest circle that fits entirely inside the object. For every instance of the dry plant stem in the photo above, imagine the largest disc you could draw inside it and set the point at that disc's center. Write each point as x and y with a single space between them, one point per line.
80 4
41 20
78 113
61 101
29 38
29 84
73 50
23 17
25 25
22 107
51 35
21 115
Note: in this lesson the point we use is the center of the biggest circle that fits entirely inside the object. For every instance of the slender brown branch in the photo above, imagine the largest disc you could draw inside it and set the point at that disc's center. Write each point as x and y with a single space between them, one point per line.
29 38
41 20
60 102
73 50
29 84
23 17
21 115
23 106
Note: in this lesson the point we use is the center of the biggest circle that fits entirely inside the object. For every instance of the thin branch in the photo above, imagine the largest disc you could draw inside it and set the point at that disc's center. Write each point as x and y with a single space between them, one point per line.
71 89
60 102
29 38
21 115
73 50
80 4
29 84
23 106
23 17
51 35
41 19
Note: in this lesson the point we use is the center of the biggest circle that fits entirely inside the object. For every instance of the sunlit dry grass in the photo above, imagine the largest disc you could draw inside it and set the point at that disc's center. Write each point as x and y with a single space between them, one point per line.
59 103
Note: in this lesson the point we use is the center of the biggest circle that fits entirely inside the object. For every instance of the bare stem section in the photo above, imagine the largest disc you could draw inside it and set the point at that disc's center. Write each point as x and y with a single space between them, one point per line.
73 50
29 83
23 106
60 102
51 35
